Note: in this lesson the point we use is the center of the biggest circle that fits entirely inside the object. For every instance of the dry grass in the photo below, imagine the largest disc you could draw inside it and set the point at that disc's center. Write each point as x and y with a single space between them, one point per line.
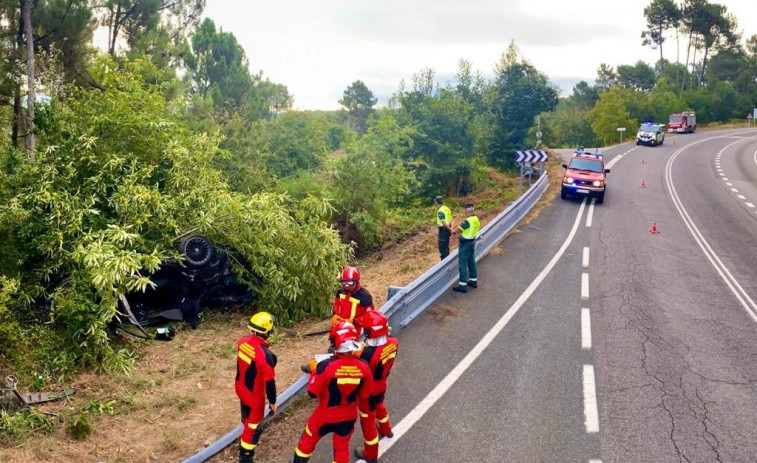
181 398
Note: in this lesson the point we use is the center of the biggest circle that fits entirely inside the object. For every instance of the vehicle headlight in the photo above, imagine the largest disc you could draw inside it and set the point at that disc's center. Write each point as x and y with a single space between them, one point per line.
597 183
567 180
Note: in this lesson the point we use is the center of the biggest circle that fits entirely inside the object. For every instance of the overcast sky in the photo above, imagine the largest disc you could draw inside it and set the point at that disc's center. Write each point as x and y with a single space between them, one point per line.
319 47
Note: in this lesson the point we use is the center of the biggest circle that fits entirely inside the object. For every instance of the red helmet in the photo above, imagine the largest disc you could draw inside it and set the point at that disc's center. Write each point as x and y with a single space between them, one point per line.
375 324
350 276
341 333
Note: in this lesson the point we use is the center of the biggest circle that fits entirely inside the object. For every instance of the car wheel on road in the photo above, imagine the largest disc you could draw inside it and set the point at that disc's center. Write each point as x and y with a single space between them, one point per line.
197 250
563 194
601 198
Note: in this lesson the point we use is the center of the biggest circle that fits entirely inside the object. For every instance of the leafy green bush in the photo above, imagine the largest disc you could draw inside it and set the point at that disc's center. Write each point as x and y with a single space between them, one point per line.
117 182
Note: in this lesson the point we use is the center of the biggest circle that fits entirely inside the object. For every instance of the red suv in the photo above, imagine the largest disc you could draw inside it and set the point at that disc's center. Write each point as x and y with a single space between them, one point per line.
585 175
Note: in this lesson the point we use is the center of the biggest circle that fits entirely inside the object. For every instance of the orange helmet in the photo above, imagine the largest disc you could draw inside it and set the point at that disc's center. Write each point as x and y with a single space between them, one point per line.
350 276
341 334
375 324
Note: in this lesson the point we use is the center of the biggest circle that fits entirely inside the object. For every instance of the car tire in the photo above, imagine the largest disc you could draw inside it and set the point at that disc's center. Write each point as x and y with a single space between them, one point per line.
601 198
563 194
197 250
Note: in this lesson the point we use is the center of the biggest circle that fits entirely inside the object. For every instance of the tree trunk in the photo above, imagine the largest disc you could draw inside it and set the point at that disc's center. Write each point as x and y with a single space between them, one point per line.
686 66
29 138
704 66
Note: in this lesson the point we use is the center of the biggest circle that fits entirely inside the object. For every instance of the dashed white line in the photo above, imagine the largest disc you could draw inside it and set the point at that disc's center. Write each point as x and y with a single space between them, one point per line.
726 179
735 190
595 461
585 261
590 214
590 401
749 205
401 428
585 329
584 286
741 196
729 184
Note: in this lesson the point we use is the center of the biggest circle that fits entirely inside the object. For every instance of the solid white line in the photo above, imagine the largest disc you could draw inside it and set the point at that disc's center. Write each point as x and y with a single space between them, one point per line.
585 262
584 286
741 295
425 405
590 400
585 329
590 214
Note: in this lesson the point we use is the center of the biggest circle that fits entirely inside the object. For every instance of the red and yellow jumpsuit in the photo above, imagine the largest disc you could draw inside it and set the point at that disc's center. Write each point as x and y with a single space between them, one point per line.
255 381
350 306
341 383
380 358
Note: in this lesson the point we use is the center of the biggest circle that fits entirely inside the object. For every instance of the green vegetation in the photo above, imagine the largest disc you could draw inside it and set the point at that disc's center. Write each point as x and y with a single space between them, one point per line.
119 154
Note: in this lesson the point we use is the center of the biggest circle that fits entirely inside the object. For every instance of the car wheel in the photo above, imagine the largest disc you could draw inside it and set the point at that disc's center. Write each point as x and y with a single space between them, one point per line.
601 198
563 194
662 141
197 250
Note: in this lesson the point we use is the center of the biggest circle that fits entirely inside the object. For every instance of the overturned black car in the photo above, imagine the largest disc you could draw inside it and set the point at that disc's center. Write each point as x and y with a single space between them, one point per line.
202 278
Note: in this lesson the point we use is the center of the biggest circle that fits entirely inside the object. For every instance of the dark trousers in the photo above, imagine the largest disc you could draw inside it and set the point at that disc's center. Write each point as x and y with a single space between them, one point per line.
444 235
466 261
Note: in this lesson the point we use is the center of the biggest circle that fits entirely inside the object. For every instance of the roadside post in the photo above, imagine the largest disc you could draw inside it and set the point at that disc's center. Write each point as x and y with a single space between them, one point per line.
529 156
749 118
621 130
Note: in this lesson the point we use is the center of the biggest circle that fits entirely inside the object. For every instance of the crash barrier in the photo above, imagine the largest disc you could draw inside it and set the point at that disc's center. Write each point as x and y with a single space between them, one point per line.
410 301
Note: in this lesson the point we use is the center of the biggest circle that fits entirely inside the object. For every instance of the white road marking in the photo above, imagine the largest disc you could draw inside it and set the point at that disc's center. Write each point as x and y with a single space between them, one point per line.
735 190
590 214
741 196
590 401
729 184
445 384
585 262
722 174
595 461
725 274
584 286
585 329
726 179
750 205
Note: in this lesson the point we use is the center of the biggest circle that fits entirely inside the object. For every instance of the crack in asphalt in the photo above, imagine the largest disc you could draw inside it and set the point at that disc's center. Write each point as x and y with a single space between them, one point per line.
716 445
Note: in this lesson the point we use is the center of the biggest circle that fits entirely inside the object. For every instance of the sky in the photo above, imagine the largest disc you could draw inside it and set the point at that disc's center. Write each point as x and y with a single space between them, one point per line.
317 48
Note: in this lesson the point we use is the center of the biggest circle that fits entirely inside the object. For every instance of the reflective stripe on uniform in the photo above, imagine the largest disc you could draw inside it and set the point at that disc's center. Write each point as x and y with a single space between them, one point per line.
307 431
253 425
391 356
384 420
247 446
302 454
373 441
348 380
362 415
245 358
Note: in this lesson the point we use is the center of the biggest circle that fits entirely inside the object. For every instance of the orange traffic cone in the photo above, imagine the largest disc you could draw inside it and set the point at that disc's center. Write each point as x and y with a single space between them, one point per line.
643 185
654 229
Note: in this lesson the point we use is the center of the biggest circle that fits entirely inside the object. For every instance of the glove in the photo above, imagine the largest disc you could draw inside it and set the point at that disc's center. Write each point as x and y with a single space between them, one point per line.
359 352
273 409
312 364
336 319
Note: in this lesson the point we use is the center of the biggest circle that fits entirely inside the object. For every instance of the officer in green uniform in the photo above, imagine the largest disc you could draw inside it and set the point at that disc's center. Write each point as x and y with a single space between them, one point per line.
466 251
444 222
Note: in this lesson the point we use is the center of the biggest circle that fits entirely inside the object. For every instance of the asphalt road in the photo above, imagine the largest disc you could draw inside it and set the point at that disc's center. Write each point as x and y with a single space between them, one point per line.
592 340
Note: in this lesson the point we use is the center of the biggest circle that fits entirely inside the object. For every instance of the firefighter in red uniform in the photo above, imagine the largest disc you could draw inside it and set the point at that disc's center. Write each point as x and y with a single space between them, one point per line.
342 383
255 381
379 352
351 301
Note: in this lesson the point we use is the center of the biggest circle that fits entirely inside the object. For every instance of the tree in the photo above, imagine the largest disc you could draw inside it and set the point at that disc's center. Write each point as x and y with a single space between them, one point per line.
359 102
606 77
30 83
609 114
640 76
584 96
661 15
218 67
521 93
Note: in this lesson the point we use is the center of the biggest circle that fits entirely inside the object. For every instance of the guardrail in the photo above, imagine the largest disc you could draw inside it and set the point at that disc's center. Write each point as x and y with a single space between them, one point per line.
411 300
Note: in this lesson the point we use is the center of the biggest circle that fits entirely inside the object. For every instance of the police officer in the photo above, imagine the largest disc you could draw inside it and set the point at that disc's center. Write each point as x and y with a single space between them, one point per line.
379 353
342 383
444 222
255 381
466 251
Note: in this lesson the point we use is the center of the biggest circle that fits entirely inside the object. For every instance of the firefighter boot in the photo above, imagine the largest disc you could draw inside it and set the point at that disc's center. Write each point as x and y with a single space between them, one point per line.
247 456
359 453
299 459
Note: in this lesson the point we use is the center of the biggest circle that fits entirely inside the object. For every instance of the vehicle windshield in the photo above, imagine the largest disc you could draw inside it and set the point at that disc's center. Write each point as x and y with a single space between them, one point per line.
648 128
585 164
676 118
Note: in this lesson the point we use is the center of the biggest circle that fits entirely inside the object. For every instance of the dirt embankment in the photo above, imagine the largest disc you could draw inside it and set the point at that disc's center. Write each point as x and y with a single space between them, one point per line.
180 397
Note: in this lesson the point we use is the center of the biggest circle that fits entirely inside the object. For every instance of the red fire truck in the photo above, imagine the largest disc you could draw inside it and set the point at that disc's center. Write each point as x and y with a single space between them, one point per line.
685 122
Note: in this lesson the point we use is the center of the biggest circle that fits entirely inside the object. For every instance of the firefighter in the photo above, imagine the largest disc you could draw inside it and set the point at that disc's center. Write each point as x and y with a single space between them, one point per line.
342 383
255 381
444 223
379 352
351 301
466 251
